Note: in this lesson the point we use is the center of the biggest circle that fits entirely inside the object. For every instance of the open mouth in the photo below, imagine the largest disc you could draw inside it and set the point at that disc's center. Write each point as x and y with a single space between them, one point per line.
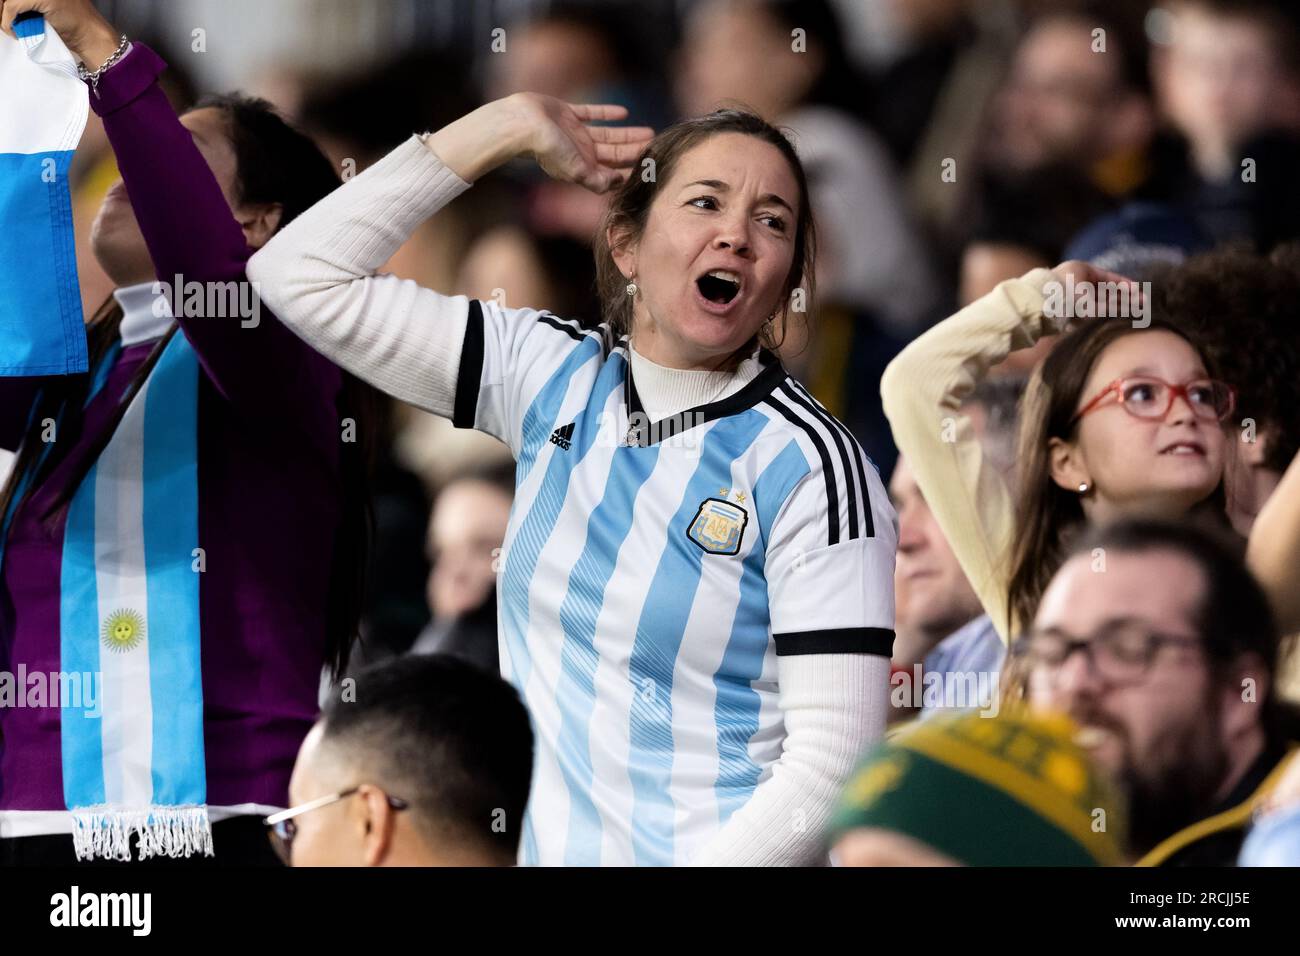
719 286
1184 448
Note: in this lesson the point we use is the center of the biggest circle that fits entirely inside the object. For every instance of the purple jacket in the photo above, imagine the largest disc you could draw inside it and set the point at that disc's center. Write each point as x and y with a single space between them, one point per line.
268 477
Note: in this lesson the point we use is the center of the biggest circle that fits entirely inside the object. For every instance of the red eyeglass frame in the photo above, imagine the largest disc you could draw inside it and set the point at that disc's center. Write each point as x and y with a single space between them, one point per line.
1175 391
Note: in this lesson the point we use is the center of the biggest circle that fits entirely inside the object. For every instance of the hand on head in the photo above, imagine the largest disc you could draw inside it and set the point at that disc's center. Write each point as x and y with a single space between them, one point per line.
1080 273
570 149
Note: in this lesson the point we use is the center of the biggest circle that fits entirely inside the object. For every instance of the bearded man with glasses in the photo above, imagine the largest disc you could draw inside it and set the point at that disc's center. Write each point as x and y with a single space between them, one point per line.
1159 644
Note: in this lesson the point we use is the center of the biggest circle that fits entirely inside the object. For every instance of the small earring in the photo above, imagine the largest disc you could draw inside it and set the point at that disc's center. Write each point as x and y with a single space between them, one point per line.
1083 487
631 286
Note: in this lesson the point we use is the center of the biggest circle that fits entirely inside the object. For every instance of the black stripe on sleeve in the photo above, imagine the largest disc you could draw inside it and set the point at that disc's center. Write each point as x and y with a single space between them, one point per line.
548 319
470 373
828 470
849 480
855 452
840 640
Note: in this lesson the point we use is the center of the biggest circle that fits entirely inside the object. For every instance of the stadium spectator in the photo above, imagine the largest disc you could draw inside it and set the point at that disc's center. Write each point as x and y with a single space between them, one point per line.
671 602
1105 432
1174 687
963 790
1077 94
1228 79
1067 138
938 619
423 761
466 532
222 534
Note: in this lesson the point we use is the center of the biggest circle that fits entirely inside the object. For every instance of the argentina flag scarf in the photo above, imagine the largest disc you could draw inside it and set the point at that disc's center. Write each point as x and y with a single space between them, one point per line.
43 111
129 612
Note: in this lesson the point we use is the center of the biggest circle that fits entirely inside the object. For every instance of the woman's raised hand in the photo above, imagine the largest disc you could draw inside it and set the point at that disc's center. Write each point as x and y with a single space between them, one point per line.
557 134
571 150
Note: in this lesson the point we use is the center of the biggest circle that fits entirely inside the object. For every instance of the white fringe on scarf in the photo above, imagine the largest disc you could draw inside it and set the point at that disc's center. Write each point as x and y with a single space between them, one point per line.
105 831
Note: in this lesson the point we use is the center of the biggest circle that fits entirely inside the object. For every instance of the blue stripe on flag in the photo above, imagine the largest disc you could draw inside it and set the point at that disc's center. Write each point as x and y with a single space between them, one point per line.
736 709
29 25
658 640
41 324
82 746
171 532
607 528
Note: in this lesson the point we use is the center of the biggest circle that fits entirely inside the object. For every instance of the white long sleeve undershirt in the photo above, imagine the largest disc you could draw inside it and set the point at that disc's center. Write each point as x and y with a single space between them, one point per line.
834 707
318 275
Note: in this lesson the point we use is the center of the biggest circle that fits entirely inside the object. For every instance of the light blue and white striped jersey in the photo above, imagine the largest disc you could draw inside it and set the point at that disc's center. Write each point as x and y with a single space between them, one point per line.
654 571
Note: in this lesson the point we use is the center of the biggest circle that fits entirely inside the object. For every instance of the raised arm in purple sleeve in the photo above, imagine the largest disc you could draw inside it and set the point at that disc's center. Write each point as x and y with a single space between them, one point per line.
192 233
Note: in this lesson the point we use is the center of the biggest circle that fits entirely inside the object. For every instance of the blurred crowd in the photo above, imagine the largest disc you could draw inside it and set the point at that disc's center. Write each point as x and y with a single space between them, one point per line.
950 145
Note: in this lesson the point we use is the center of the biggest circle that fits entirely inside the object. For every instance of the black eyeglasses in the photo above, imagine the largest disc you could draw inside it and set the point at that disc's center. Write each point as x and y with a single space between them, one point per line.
1118 653
282 829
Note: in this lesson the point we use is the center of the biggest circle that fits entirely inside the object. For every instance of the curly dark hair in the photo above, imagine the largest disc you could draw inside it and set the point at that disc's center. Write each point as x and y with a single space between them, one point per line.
1243 309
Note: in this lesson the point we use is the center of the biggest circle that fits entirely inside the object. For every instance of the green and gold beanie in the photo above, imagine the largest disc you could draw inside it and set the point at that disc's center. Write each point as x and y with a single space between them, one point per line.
1006 791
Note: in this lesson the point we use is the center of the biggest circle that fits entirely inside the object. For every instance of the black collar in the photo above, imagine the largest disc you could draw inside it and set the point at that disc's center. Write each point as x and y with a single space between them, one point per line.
1254 776
643 433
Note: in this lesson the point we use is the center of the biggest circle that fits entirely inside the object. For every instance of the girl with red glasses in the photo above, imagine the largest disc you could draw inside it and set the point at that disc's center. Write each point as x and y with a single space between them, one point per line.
1120 418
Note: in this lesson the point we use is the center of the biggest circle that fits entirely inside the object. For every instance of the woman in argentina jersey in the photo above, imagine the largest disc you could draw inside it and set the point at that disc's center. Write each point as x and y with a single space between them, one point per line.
696 601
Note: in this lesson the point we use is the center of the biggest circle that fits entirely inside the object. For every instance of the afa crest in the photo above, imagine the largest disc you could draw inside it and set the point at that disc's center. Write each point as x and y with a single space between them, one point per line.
718 526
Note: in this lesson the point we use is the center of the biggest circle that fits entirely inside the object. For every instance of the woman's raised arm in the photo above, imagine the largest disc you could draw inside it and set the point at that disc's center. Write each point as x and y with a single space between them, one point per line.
1273 552
318 273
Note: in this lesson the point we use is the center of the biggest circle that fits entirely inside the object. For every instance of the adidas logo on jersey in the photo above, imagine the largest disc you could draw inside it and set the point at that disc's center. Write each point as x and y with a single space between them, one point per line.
563 436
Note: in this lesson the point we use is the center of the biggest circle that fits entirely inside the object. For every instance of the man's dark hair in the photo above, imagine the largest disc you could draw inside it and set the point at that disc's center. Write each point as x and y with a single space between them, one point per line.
453 741
1233 616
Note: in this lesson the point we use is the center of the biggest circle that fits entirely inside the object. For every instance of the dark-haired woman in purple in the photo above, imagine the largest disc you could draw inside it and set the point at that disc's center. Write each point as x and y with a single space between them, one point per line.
186 550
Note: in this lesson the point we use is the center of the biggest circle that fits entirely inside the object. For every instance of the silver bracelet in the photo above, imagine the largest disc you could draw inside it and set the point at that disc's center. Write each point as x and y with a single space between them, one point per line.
94 77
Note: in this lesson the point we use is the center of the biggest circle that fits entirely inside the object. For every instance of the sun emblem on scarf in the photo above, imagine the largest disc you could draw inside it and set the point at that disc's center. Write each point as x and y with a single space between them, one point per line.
123 630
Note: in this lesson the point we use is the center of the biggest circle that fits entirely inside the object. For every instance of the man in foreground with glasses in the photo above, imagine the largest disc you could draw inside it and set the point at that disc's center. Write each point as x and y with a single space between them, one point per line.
425 761
1156 640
